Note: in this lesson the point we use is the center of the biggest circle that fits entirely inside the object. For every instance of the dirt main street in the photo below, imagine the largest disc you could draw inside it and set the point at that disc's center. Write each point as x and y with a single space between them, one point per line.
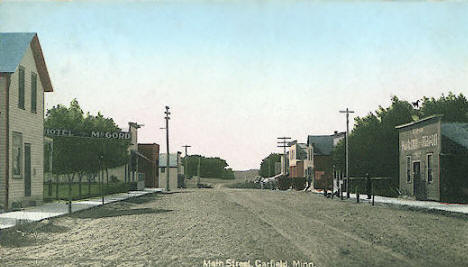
201 225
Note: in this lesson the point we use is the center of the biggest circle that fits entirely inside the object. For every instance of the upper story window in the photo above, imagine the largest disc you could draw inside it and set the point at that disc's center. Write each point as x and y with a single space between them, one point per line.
429 168
33 92
408 169
21 87
17 153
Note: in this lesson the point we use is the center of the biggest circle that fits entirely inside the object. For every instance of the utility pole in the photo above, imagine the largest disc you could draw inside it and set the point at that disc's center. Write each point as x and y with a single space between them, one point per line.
186 146
185 160
347 111
284 144
167 147
199 169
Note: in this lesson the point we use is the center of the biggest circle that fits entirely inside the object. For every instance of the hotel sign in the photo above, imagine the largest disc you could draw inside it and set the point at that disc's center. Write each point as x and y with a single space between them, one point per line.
93 134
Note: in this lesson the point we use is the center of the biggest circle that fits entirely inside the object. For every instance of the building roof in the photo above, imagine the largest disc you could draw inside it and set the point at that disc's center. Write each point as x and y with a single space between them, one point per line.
163 160
323 144
301 151
13 46
457 132
437 116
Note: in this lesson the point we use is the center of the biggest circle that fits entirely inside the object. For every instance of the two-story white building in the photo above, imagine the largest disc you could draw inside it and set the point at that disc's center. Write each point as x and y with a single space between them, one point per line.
23 80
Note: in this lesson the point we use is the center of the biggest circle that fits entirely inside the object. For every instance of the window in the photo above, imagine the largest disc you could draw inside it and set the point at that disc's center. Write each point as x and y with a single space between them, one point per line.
163 169
21 87
429 167
33 92
408 169
17 153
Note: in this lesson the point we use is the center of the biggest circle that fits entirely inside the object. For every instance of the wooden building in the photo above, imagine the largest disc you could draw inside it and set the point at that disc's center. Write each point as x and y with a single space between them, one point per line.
175 168
433 160
23 80
149 166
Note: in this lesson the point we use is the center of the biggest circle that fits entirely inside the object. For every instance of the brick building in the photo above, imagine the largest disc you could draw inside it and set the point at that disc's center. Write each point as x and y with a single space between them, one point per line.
321 146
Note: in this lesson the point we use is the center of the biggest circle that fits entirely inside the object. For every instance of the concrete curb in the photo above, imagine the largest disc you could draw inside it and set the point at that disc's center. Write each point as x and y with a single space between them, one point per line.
423 205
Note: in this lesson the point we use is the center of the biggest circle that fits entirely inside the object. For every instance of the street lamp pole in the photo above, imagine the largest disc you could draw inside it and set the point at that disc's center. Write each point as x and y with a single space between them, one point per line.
347 111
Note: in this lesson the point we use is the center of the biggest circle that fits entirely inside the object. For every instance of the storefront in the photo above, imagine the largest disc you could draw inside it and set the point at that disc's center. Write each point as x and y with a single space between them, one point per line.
433 159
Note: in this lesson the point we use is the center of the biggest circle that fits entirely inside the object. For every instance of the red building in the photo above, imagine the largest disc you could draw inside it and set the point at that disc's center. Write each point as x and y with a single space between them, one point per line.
323 159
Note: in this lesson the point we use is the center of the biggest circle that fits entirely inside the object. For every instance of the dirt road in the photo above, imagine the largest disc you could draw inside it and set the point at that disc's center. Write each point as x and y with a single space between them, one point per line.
221 225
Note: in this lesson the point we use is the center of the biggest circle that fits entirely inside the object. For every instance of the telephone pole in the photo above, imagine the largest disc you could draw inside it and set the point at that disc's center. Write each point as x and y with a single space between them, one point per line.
167 147
186 146
199 158
347 111
284 144
185 159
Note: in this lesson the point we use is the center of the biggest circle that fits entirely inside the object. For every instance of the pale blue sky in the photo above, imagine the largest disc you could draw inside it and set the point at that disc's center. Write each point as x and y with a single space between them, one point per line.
237 74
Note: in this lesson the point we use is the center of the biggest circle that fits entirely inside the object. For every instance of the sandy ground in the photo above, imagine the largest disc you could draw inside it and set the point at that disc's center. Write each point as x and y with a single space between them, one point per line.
197 225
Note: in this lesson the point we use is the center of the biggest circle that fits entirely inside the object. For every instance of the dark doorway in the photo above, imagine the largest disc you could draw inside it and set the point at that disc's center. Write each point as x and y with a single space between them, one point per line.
419 184
27 170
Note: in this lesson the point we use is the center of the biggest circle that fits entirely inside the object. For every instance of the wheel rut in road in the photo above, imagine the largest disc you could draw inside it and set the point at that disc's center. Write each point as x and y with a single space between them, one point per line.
323 243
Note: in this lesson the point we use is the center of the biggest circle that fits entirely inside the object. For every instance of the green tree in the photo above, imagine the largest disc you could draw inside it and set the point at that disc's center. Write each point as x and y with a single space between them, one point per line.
267 166
83 156
373 142
454 108
214 167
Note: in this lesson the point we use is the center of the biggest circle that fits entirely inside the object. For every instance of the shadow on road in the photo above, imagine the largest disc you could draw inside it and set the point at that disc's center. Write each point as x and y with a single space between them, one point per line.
140 200
106 212
26 234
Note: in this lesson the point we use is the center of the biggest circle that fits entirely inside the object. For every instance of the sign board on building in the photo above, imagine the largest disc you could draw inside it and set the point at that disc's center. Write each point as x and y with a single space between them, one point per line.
93 134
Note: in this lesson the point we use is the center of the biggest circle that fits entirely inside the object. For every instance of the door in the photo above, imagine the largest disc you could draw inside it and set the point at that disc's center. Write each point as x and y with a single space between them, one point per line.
27 170
419 185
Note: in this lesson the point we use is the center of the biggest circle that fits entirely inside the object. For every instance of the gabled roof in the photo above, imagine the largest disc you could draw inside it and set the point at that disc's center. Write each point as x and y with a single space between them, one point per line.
13 46
163 160
457 132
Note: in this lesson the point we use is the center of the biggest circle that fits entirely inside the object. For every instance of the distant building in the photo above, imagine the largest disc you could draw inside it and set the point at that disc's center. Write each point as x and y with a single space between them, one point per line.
321 148
285 163
176 171
129 172
23 80
149 165
433 157
297 157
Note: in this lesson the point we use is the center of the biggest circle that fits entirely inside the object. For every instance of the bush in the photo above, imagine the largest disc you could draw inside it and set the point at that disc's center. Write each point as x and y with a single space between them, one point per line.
249 185
298 183
16 205
381 187
113 179
132 186
284 183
